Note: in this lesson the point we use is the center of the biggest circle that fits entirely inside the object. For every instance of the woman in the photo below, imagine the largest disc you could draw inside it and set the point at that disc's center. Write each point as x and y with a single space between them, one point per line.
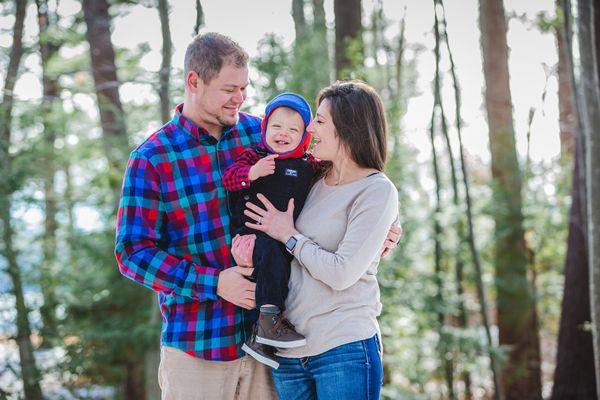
334 294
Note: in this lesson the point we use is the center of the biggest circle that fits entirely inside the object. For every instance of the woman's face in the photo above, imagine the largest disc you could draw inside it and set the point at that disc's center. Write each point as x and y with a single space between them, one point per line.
326 143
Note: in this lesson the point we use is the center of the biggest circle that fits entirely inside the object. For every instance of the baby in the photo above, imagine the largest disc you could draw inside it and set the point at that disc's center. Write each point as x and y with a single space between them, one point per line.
280 169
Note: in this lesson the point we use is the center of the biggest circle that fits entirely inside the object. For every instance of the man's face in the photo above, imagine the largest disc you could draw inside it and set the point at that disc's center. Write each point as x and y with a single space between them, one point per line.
217 103
284 129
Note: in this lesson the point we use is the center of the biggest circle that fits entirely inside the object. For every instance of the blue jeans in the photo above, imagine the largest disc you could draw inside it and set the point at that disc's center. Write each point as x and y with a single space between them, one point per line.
350 371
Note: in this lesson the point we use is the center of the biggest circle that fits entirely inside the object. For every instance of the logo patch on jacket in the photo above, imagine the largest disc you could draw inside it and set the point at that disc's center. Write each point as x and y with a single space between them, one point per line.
291 172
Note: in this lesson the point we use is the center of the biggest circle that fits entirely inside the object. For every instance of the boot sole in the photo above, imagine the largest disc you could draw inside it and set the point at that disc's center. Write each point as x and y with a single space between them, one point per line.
262 359
281 345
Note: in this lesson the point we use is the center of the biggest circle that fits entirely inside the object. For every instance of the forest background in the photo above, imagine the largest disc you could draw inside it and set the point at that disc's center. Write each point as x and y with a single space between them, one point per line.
494 124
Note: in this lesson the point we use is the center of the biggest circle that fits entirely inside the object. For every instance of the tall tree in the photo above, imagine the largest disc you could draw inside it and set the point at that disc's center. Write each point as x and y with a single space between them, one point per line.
348 40
591 128
320 38
106 83
574 376
470 236
319 22
165 67
29 370
112 120
299 18
516 306
199 17
462 318
565 91
50 103
443 345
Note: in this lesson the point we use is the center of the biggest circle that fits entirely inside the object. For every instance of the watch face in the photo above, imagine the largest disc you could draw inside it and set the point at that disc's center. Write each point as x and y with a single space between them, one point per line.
291 243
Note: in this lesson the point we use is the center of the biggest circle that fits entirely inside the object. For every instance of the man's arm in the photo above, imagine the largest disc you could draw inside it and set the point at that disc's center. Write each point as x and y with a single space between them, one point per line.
139 220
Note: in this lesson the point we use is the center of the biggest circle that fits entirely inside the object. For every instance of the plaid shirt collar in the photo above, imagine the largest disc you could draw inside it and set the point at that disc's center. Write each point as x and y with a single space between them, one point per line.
198 132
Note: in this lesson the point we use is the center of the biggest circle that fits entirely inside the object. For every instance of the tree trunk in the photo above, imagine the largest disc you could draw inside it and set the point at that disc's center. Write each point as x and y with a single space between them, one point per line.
460 226
319 31
447 364
299 19
443 345
70 223
29 371
50 102
565 96
348 41
199 17
106 83
516 306
319 21
574 374
165 68
152 357
134 382
589 83
470 237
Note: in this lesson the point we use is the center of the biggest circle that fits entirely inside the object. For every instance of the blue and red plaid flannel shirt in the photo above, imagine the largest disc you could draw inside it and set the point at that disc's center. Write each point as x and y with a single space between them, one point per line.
173 232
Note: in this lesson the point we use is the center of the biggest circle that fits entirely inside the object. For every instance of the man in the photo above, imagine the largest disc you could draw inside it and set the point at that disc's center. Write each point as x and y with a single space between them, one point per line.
173 231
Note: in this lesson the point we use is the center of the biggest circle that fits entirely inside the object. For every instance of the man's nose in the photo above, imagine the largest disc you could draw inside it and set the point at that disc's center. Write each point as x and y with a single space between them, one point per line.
238 97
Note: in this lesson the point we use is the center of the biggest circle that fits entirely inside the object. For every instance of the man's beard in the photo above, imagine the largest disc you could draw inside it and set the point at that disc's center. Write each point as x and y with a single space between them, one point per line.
231 121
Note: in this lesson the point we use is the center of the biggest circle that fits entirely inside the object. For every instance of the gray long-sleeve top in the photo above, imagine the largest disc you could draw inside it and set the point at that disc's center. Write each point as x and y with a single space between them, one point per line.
334 294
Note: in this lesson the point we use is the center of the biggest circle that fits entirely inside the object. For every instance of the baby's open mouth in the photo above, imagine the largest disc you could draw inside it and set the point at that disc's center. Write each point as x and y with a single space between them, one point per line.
282 142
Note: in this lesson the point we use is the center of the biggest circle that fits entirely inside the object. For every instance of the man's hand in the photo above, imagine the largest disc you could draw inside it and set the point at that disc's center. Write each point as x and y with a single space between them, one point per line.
265 166
235 288
242 248
392 239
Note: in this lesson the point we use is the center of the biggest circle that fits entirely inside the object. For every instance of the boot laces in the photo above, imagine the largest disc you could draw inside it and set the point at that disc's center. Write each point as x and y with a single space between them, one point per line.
283 325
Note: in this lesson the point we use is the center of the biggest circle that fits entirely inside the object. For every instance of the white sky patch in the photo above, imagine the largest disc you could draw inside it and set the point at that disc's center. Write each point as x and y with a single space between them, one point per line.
88 219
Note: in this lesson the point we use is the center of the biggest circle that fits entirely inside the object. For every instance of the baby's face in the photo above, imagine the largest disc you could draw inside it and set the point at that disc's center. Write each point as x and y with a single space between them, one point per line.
284 130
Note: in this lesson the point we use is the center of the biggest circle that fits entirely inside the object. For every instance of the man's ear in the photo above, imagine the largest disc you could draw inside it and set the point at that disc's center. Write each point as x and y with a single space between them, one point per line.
192 80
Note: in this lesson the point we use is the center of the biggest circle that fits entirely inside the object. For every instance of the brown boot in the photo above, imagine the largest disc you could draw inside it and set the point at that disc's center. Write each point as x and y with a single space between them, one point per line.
260 352
275 330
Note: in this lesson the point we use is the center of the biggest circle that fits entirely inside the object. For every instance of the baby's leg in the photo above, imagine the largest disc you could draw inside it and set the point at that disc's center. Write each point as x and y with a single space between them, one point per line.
272 272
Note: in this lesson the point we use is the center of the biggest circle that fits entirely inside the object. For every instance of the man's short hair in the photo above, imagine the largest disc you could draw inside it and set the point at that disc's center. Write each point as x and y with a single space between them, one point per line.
209 51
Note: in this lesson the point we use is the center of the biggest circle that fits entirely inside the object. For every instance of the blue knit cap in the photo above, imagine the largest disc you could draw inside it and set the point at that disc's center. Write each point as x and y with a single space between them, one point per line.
293 101
298 104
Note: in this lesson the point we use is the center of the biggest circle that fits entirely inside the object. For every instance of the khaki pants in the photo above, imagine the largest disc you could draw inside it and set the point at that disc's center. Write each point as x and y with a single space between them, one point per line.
183 377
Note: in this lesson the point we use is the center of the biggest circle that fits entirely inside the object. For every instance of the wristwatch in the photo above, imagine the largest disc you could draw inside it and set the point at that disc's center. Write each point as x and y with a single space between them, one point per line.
290 245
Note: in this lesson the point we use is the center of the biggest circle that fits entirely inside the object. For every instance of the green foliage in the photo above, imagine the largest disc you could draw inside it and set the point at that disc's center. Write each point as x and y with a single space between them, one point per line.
108 316
547 23
310 66
273 66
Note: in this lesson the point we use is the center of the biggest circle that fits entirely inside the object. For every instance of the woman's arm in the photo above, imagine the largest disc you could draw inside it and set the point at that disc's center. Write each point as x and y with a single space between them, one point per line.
369 221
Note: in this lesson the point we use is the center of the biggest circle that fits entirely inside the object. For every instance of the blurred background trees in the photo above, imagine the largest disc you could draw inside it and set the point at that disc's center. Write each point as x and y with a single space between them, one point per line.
492 246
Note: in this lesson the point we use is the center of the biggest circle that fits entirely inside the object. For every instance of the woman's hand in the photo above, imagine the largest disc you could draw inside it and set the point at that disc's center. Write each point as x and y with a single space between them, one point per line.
242 248
277 224
392 240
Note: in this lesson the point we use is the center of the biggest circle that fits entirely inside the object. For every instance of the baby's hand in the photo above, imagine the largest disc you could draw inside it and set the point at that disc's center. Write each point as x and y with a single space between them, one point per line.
265 166
242 248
